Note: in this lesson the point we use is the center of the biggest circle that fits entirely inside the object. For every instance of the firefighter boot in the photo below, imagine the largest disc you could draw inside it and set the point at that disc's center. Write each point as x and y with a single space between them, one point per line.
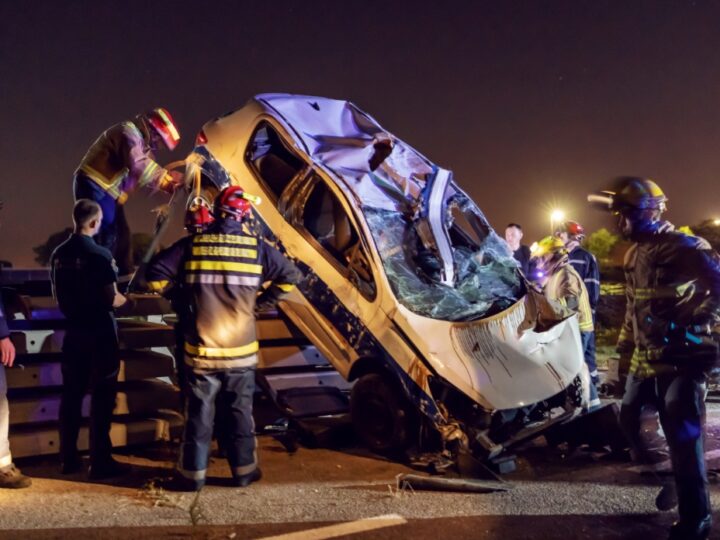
244 480
699 530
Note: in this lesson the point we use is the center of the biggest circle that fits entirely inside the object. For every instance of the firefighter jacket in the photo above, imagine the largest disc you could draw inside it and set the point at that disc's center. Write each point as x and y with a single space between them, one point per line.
121 160
4 331
585 264
214 278
566 287
672 281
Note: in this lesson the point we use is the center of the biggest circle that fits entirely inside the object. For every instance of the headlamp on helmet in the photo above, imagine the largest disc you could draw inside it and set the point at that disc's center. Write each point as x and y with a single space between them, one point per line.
198 216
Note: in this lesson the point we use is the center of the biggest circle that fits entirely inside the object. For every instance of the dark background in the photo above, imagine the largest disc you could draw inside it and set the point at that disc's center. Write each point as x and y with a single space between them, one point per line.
531 104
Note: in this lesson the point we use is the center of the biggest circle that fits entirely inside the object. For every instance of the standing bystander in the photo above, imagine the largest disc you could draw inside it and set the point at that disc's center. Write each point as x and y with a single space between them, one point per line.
10 476
84 279
513 236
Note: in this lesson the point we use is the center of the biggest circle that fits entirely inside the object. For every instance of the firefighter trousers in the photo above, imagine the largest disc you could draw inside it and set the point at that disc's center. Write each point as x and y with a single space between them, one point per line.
680 401
233 391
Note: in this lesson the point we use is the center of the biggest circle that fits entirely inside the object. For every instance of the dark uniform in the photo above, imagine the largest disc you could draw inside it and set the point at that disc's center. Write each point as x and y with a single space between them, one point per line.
586 266
221 272
522 255
673 284
81 273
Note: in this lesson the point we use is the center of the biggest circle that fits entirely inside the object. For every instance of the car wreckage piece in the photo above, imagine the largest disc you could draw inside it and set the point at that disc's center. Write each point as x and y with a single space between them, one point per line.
407 289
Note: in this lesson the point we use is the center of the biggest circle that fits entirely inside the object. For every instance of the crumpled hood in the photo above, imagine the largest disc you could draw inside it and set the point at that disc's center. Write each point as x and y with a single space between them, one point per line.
494 365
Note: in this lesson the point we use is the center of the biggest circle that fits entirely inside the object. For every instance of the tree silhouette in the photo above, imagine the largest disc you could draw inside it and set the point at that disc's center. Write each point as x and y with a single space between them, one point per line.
44 251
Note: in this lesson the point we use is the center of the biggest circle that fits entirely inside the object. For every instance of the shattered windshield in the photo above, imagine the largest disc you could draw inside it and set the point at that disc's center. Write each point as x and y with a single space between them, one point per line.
487 278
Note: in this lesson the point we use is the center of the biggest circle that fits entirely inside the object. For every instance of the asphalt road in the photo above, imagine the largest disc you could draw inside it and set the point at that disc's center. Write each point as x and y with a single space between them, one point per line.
332 493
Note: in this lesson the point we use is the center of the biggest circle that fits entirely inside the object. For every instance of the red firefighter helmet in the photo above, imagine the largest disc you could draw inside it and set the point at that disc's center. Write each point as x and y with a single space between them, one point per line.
232 202
198 216
572 228
164 126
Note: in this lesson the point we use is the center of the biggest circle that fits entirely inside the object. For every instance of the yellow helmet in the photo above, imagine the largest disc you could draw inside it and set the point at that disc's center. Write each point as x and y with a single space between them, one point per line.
548 245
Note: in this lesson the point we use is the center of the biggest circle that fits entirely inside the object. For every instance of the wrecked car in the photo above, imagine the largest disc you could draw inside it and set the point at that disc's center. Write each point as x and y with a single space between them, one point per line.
407 289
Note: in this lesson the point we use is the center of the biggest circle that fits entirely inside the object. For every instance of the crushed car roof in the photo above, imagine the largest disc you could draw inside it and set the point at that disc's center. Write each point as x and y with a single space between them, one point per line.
343 138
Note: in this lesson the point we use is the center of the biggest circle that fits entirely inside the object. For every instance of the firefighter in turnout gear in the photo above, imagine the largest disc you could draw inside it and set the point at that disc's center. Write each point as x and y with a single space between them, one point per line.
562 284
585 264
673 300
119 161
221 271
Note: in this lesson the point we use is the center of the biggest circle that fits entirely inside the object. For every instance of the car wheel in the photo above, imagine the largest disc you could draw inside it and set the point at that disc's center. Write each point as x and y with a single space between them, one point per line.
381 414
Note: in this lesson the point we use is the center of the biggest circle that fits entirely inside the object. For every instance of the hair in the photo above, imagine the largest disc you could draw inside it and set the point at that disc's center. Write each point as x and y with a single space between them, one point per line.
518 227
84 211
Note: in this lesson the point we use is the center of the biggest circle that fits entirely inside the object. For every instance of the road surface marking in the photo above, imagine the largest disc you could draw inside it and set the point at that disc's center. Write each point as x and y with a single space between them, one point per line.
351 527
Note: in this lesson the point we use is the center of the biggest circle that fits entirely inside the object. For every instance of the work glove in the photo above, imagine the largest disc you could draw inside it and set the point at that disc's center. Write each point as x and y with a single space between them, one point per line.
171 181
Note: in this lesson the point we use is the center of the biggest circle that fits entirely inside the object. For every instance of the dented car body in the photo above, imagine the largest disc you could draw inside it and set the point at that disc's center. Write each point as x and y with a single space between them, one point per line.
407 288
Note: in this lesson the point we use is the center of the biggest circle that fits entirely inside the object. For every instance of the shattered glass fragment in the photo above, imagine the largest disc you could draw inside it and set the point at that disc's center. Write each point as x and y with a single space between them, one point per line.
488 280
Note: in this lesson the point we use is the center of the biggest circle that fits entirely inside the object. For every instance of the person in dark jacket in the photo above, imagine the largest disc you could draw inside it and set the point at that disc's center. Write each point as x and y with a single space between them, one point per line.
119 161
84 280
221 271
585 264
521 252
673 300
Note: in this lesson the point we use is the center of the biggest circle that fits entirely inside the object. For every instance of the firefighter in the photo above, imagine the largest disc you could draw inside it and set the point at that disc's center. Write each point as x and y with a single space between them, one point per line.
198 218
585 264
673 299
84 280
119 161
561 283
220 272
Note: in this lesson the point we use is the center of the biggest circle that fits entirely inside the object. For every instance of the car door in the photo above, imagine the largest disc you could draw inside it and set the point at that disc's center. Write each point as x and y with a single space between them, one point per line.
340 284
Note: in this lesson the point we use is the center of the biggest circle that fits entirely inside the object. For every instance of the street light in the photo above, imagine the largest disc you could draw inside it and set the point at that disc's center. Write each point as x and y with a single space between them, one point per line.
556 216
716 222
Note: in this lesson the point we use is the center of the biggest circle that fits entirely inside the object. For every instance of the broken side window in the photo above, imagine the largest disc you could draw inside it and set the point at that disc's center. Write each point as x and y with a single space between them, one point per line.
325 218
271 160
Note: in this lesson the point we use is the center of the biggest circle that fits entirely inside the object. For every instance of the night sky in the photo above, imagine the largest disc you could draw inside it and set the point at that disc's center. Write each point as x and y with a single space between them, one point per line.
529 103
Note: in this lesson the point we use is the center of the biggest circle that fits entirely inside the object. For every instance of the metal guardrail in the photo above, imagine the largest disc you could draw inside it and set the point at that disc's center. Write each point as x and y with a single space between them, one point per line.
148 404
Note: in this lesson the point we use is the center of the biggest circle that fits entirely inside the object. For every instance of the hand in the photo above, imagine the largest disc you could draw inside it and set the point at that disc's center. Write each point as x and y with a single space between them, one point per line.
7 352
171 181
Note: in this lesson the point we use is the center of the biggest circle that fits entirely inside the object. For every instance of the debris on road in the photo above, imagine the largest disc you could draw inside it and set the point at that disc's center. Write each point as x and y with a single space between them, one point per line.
429 483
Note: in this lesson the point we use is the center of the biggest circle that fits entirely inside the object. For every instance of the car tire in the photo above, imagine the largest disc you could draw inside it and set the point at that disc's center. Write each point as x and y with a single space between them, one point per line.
382 416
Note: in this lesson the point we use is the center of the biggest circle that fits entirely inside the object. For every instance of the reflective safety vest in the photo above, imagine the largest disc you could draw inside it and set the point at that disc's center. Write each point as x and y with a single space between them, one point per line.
566 287
215 278
120 160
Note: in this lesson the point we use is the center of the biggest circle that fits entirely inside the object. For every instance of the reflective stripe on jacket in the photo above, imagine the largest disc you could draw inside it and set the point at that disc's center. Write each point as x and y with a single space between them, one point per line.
566 287
120 160
585 264
219 274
